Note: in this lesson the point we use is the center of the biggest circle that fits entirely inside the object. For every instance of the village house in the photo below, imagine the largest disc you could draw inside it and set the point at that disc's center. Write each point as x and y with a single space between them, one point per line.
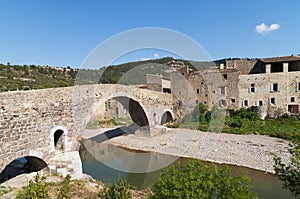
272 85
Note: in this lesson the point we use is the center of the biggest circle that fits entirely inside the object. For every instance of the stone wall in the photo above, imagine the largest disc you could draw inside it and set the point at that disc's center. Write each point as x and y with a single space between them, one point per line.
29 119
287 88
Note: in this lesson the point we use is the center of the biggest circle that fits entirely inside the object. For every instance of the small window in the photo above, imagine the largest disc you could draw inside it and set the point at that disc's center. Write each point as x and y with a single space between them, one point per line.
198 90
252 88
298 86
222 89
292 99
259 103
225 76
223 103
245 103
275 87
233 100
197 101
273 101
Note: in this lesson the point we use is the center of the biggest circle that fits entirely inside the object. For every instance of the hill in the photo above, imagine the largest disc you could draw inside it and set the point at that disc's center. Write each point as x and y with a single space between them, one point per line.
27 77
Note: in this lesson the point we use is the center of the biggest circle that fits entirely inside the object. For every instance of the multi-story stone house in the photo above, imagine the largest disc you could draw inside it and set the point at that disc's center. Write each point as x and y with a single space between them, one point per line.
272 85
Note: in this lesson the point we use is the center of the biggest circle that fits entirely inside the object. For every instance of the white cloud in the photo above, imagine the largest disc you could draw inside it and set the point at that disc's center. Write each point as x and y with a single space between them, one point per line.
155 55
263 28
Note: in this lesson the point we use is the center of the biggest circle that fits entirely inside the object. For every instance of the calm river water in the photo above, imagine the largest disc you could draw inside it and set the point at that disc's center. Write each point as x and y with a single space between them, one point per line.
106 162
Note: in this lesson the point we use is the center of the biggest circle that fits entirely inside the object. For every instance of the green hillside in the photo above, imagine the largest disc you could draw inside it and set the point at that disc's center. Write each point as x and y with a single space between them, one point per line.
27 77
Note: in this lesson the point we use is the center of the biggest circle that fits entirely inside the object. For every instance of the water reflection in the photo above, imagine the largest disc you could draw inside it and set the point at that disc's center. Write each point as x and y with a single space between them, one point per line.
126 160
106 162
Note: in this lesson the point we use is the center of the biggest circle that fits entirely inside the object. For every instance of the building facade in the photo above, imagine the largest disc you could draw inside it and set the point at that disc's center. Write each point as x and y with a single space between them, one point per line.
272 85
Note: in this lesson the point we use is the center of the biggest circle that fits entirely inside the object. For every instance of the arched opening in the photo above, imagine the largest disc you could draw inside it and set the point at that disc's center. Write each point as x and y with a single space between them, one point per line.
20 166
58 140
137 113
115 117
166 118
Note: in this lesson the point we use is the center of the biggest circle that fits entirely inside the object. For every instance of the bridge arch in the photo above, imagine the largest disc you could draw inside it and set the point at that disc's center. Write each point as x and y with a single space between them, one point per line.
20 166
58 138
136 110
167 117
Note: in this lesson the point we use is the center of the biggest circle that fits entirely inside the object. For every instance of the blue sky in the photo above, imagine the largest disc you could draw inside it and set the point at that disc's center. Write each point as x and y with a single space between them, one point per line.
63 32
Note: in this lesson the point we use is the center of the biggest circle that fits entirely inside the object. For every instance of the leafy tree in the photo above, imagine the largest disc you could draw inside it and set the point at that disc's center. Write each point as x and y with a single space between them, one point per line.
197 180
217 119
246 113
290 174
202 110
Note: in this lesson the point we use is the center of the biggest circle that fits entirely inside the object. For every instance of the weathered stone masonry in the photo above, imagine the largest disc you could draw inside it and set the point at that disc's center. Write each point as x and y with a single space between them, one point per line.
30 119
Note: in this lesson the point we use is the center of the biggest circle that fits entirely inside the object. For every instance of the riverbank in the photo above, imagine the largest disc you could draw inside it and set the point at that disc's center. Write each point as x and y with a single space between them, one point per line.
252 151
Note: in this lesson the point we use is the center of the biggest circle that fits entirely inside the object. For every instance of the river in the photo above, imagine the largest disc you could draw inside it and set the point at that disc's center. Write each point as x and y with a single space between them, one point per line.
106 162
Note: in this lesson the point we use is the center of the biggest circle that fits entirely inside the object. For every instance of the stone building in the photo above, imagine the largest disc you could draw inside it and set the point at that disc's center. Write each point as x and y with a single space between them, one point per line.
158 83
272 85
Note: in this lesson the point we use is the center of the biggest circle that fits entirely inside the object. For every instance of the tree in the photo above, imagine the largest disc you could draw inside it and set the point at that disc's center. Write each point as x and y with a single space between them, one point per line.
202 110
290 174
197 180
217 118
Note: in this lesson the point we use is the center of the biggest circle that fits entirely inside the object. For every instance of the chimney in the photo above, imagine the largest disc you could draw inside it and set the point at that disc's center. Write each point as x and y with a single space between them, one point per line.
221 66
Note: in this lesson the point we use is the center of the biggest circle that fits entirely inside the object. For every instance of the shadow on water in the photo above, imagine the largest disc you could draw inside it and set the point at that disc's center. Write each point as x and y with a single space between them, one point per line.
131 129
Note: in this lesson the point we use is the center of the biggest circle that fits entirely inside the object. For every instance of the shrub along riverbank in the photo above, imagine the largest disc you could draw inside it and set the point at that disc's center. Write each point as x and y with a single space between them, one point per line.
243 121
246 121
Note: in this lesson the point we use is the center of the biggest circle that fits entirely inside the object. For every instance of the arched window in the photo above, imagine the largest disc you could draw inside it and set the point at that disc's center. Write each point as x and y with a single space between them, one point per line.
58 140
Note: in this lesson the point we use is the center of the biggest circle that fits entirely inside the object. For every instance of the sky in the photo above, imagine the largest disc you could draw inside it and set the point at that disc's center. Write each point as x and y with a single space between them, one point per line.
64 32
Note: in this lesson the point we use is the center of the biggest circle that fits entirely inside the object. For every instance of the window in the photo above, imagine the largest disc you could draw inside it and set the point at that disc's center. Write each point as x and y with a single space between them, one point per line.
225 76
222 89
259 103
233 100
275 87
197 101
245 103
252 88
298 86
198 90
293 109
273 101
223 103
292 99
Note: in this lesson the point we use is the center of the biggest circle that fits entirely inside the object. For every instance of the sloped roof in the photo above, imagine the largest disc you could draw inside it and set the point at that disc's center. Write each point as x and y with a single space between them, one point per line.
280 59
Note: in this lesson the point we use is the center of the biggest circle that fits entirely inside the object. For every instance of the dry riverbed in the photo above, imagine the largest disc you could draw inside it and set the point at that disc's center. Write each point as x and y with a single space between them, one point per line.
253 151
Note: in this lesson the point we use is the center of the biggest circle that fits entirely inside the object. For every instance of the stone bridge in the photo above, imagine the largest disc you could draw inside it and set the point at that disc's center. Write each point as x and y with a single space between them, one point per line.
45 126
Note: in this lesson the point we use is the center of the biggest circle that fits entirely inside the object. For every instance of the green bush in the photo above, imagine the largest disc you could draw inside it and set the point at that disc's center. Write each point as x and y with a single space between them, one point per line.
118 190
65 189
37 189
246 113
197 180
